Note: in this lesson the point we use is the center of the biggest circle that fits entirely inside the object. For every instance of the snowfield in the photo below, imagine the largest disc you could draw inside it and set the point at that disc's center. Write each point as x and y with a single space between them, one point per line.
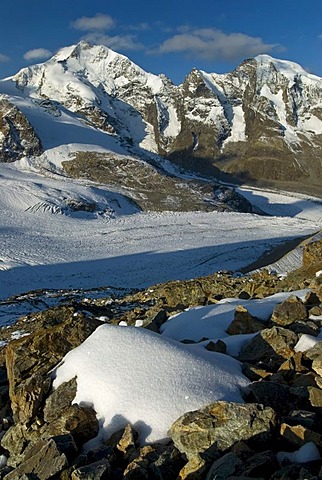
47 244
116 364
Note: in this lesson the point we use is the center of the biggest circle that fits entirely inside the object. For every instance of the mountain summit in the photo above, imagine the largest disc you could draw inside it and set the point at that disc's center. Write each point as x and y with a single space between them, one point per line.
260 124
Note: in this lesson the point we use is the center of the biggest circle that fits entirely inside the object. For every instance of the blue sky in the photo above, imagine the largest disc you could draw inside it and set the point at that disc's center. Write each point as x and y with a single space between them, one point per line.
167 36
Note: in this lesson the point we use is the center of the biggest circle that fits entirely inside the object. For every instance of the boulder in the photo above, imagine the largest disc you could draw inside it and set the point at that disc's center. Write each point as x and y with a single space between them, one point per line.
254 372
95 471
46 459
310 396
27 374
78 420
218 346
153 463
219 425
299 435
308 327
124 441
28 396
59 399
244 322
194 469
301 417
271 346
315 354
275 395
295 363
290 311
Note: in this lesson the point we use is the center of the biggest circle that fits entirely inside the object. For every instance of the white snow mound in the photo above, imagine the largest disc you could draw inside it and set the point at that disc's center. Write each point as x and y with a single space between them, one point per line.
132 375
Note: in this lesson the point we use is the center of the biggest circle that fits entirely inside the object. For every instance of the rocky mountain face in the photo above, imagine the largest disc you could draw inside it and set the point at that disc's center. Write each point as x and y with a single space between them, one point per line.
17 137
261 123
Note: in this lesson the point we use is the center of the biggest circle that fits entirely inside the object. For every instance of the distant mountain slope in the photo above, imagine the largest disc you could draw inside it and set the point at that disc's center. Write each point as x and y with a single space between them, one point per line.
261 123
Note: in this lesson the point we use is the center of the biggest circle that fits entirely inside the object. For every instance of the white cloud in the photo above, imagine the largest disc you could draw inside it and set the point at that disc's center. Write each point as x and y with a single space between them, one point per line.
96 29
213 44
37 54
4 58
139 27
116 42
98 22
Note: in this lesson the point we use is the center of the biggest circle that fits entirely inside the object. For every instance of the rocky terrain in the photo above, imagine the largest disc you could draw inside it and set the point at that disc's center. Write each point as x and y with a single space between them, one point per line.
43 432
260 124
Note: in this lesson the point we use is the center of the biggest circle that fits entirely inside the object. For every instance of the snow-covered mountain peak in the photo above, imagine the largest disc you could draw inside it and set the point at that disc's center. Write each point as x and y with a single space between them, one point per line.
262 120
78 70
288 69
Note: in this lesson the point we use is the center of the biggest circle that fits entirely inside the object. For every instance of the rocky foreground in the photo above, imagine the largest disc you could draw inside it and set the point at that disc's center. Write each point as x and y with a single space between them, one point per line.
43 432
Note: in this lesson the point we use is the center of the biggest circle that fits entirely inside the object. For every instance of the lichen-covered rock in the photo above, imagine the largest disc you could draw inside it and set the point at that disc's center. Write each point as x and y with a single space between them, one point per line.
28 396
154 462
219 426
290 311
244 322
45 347
59 399
125 441
312 253
46 459
271 346
194 469
78 420
315 354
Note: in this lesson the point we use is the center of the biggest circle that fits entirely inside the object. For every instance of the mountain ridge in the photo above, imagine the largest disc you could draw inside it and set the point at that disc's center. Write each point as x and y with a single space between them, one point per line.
259 124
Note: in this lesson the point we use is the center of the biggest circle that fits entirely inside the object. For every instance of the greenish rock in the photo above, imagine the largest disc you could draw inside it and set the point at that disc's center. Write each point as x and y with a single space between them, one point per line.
271 346
59 400
290 311
218 426
78 420
45 347
46 459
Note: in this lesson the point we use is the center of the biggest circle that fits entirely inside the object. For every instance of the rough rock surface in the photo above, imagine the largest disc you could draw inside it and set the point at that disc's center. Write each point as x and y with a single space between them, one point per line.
271 346
43 432
220 425
17 137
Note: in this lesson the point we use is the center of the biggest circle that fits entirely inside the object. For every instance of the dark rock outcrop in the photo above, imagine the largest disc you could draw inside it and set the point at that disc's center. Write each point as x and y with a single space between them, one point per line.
17 137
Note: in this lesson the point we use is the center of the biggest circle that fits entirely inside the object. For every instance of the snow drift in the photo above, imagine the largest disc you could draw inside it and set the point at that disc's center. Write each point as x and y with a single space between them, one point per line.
131 375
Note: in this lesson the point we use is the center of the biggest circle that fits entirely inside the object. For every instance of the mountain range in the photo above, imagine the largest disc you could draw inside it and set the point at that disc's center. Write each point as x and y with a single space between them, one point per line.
91 113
